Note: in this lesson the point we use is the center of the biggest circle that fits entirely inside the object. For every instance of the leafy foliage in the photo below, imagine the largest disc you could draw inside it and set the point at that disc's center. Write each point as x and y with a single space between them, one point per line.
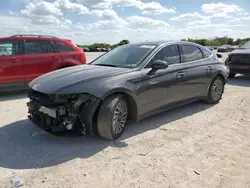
104 45
218 41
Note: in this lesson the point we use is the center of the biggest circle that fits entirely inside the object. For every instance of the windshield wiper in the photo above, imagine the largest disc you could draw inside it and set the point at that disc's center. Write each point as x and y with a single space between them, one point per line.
107 65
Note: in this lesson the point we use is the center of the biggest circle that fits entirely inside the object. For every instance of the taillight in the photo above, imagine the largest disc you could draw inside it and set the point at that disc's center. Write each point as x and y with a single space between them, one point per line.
83 58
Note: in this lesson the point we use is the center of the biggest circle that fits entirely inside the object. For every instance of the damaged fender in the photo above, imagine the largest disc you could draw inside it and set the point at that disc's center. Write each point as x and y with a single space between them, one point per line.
86 109
58 113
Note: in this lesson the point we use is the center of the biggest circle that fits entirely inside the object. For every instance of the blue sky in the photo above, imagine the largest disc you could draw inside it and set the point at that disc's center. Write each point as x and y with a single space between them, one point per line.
89 21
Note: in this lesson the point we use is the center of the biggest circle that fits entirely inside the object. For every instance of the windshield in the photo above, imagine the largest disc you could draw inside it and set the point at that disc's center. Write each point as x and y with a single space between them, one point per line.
128 56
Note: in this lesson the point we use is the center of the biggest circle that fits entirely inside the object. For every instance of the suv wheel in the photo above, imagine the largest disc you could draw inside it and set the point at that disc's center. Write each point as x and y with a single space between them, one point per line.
112 117
216 90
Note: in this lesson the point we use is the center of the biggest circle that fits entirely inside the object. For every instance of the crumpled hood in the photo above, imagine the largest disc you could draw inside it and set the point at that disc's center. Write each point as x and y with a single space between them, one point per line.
62 79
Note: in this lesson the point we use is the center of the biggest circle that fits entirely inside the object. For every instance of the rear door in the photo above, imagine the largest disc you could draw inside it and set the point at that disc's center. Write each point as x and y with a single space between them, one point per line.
40 58
69 55
11 67
199 71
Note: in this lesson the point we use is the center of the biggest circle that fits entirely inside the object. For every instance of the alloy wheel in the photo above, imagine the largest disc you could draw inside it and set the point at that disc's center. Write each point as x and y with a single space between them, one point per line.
217 89
120 117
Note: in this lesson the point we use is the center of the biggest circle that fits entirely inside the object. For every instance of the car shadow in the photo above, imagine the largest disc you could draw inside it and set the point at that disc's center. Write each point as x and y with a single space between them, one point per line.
25 146
8 96
240 80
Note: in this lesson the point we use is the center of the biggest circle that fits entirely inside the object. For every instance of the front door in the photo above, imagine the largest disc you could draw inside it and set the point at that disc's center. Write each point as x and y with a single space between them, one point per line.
39 59
164 86
11 67
199 70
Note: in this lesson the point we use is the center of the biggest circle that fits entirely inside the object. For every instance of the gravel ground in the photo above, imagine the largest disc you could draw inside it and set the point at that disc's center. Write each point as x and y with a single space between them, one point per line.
194 146
93 55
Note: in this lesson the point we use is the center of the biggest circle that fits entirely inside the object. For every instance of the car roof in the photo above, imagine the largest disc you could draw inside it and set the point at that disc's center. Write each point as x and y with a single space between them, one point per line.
160 43
156 43
34 37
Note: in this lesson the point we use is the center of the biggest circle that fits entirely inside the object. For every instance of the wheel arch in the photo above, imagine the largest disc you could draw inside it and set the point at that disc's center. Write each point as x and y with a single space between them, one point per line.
132 105
220 74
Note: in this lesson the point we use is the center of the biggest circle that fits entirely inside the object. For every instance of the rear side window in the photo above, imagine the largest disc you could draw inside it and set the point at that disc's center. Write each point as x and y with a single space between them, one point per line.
62 47
36 47
206 52
8 48
51 47
191 53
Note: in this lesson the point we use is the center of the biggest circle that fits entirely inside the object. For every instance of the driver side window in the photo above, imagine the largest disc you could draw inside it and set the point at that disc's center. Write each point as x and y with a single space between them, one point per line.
170 54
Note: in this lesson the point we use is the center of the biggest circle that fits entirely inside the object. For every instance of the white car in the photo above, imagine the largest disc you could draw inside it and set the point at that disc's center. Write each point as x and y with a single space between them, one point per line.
4 51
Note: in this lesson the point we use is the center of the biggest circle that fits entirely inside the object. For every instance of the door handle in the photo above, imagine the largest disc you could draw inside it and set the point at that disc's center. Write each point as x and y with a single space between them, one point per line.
209 69
154 82
55 57
180 74
16 61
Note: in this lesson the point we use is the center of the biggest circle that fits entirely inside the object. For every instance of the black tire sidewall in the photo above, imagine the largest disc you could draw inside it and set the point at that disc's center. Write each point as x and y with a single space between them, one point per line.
105 117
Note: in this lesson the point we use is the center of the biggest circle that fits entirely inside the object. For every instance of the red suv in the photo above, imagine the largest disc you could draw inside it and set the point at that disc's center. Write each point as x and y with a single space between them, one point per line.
25 57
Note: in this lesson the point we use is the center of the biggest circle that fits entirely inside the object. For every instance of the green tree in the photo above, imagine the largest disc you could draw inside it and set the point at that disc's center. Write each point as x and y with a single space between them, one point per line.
124 42
99 45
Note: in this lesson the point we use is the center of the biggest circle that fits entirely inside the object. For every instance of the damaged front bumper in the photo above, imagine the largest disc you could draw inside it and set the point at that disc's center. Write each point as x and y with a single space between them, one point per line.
58 113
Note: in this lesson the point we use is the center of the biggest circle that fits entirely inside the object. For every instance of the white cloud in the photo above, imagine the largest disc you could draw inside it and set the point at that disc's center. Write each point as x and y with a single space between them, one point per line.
42 13
213 12
13 13
67 22
214 8
134 28
143 22
52 17
42 8
10 23
69 6
106 25
188 16
239 19
155 8
44 20
147 8
199 22
106 14
110 3
96 3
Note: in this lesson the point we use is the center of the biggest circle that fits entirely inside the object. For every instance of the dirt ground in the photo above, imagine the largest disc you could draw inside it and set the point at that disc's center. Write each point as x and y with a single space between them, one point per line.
93 55
194 146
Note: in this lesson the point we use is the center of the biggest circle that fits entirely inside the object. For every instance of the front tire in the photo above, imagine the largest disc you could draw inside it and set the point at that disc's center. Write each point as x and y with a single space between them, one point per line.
112 117
216 90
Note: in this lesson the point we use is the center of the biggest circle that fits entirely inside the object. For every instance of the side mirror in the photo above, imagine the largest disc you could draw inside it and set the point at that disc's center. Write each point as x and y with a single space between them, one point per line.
157 65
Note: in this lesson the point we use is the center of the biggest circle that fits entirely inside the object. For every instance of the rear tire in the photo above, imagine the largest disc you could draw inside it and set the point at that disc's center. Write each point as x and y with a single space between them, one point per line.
112 117
231 75
216 90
